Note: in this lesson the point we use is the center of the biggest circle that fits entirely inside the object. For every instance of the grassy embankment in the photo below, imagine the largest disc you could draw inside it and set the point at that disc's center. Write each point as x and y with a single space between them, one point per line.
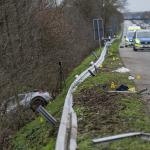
39 134
101 114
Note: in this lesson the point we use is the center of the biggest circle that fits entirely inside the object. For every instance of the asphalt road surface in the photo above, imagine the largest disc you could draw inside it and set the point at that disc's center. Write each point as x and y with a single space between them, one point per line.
139 64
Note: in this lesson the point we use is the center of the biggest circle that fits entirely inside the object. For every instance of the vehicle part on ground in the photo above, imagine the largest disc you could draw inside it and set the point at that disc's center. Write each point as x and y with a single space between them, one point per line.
145 136
122 70
122 88
122 92
47 115
142 91
36 102
131 78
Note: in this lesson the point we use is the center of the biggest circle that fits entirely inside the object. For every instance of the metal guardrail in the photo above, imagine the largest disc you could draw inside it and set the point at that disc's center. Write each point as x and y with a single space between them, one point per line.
145 136
47 115
67 134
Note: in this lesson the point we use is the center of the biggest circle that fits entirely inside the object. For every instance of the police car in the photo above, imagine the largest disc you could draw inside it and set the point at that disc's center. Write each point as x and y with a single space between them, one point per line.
129 38
141 40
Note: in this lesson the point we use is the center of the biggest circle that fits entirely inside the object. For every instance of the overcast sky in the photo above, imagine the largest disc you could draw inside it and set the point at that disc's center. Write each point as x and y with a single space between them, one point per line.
139 5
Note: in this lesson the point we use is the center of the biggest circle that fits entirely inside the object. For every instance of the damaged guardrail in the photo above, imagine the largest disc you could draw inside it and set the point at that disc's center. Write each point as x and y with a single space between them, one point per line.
67 134
47 115
145 136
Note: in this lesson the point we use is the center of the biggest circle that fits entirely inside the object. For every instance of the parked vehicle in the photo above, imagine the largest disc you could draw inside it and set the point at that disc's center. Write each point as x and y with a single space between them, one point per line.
141 40
129 38
134 28
27 100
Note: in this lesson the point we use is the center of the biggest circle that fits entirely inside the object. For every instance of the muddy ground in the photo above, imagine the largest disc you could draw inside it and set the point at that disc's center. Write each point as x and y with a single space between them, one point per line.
99 111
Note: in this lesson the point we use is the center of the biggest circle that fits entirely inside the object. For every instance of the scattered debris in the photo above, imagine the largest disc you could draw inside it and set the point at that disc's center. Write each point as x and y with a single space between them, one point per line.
145 136
131 78
102 86
142 91
91 63
76 76
133 89
122 92
113 85
122 70
122 88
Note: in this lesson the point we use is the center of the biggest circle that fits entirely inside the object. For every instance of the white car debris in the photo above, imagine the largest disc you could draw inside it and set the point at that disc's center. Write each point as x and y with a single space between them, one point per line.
27 100
131 78
122 70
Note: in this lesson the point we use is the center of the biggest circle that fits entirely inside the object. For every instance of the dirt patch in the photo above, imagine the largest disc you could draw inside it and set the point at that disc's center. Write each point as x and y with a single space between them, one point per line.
146 98
98 110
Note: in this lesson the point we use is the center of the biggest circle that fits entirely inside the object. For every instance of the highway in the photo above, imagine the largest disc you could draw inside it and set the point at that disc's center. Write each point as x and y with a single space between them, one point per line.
139 64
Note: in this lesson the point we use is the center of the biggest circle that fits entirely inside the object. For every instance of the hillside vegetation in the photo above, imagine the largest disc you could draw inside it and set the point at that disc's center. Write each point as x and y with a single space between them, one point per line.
34 36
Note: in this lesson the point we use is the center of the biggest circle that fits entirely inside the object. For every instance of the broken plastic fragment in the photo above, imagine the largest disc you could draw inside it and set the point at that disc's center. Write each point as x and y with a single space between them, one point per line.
131 78
91 63
132 89
113 85
122 70
76 76
122 88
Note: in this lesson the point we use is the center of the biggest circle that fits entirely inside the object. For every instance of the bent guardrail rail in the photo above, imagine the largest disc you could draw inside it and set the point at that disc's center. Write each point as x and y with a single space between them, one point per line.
47 115
67 134
145 136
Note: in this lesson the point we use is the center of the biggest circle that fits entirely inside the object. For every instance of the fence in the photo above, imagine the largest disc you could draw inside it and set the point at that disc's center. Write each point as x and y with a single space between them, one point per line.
67 134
